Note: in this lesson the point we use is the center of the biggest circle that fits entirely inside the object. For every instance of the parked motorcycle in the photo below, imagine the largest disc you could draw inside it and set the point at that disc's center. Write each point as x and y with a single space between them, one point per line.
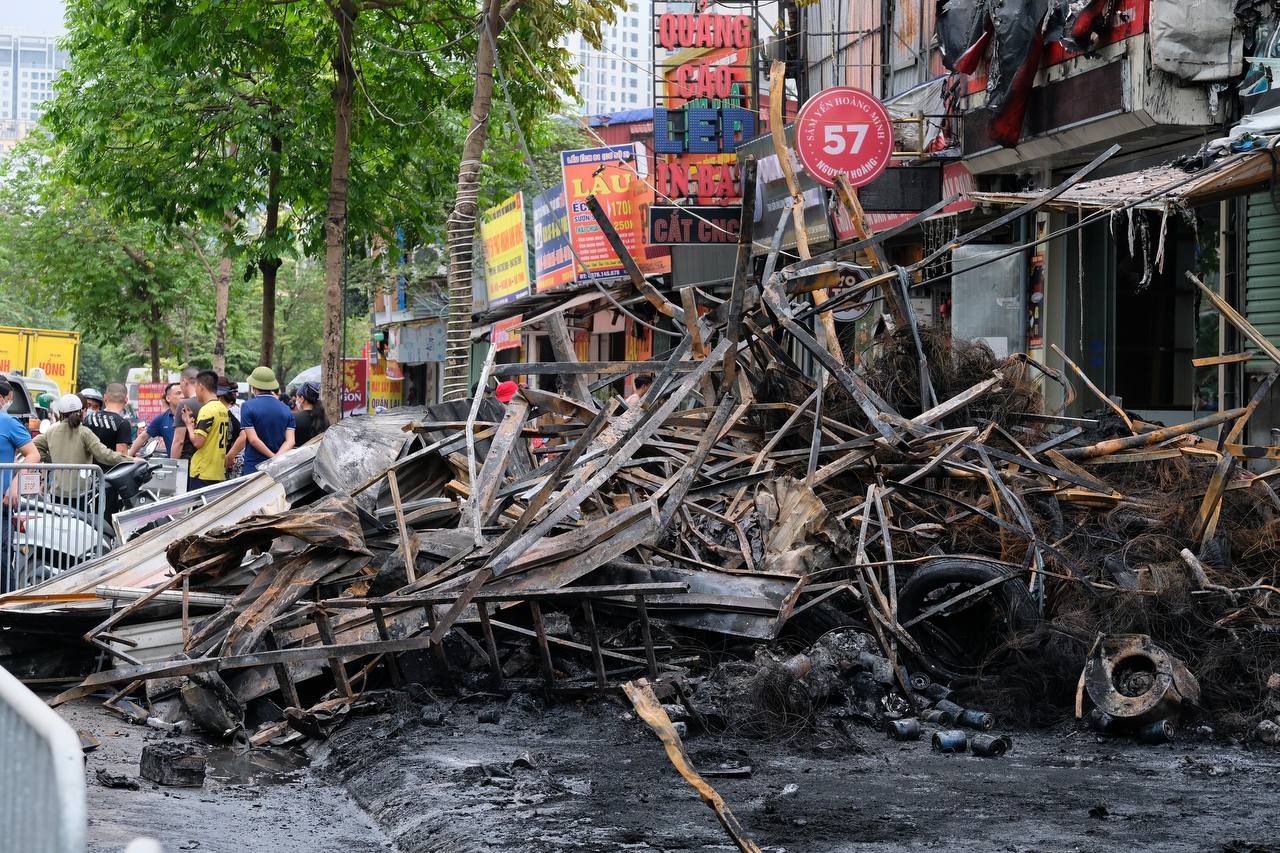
53 534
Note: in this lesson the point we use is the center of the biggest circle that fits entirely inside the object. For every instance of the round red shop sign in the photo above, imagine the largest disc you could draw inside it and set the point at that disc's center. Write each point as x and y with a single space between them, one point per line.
844 130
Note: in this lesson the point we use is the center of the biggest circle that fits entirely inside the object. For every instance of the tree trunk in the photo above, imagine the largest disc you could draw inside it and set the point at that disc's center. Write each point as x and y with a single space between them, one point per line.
335 224
461 226
222 297
269 266
155 342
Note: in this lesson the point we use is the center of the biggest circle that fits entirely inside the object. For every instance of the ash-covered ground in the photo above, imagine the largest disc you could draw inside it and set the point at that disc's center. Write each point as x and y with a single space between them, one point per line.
591 777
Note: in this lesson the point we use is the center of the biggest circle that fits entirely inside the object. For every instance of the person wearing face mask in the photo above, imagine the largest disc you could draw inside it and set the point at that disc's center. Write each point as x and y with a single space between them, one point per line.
310 419
15 446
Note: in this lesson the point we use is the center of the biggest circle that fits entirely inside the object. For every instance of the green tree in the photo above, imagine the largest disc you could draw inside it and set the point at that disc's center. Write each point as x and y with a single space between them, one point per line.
300 124
541 23
123 281
197 112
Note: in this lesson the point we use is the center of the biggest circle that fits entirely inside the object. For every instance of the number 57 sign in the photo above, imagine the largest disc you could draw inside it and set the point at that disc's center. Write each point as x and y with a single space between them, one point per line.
844 130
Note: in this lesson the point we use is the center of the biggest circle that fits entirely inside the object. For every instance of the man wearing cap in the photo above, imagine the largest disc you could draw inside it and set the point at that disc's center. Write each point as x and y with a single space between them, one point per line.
267 425
46 407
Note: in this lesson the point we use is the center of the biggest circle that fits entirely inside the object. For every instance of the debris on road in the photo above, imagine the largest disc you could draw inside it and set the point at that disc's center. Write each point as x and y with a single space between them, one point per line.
171 763
650 710
910 538
107 779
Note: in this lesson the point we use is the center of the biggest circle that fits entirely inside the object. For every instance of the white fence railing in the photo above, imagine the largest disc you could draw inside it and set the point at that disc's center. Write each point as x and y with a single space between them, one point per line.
42 787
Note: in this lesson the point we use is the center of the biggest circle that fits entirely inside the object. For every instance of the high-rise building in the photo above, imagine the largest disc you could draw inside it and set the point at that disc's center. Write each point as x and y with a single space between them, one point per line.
28 67
619 75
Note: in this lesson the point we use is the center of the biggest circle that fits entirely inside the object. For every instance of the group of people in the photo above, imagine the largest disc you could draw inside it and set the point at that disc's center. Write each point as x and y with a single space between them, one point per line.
203 422
220 436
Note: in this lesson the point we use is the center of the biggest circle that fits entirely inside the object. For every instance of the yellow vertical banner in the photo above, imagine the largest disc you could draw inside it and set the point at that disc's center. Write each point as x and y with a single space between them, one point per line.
506 251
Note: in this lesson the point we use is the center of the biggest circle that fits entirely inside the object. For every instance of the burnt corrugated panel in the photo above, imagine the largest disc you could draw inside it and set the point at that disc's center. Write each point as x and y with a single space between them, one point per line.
1262 272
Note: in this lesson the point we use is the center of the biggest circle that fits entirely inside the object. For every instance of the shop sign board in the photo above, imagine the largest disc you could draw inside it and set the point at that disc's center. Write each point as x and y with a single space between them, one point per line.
703 111
417 343
150 402
847 131
610 174
503 335
355 390
384 391
552 254
506 252
671 225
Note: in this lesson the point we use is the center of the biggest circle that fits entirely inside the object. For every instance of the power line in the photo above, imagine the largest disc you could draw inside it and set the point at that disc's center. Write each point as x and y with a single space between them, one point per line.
657 193
533 173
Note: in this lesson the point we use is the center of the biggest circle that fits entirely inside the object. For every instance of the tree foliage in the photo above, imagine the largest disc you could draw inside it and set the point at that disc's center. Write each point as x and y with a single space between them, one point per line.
189 130
115 279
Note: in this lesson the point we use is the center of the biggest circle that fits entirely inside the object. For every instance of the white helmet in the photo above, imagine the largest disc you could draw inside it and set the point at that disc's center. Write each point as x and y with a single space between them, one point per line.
69 403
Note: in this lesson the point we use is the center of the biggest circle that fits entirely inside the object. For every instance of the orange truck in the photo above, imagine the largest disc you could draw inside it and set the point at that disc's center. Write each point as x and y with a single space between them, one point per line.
56 353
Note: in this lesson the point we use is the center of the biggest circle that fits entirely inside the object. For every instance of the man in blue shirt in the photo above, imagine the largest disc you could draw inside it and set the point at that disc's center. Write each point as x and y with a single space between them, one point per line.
161 426
15 442
267 425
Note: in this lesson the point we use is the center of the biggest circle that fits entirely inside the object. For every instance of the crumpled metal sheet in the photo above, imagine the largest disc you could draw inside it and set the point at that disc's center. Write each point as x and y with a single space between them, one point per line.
800 534
143 563
294 469
332 522
355 450
1198 42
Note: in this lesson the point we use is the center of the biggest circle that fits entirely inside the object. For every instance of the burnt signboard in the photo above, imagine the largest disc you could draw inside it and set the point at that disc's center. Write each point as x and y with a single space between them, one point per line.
670 225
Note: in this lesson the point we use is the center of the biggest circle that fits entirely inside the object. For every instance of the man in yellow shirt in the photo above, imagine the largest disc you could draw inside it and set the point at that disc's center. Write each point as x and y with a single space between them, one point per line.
210 432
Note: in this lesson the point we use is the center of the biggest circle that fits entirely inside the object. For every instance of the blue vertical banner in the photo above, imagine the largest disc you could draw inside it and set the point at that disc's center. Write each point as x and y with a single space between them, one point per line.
552 256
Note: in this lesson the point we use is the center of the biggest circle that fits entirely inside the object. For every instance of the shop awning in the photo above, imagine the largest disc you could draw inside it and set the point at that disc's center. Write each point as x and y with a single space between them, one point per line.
1158 187
540 306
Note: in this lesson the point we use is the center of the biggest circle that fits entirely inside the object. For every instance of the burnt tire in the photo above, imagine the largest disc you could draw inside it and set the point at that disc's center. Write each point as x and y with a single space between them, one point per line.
812 623
957 641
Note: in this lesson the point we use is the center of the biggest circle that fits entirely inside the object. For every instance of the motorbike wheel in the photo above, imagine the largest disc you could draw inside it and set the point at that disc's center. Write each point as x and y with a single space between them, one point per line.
957 640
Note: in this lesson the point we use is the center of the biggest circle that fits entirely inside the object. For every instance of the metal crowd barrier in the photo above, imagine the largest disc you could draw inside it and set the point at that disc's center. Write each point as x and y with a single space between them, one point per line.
57 522
42 787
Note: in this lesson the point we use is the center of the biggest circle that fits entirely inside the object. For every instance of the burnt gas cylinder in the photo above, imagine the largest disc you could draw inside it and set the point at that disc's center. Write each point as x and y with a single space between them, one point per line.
1161 731
950 740
980 720
990 746
1131 678
950 708
904 729
935 718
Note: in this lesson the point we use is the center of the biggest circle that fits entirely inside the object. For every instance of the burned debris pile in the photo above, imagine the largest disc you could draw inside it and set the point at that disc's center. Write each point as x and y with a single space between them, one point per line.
912 535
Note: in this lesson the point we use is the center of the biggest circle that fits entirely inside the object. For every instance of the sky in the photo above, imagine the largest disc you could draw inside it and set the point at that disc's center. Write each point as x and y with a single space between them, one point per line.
31 17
